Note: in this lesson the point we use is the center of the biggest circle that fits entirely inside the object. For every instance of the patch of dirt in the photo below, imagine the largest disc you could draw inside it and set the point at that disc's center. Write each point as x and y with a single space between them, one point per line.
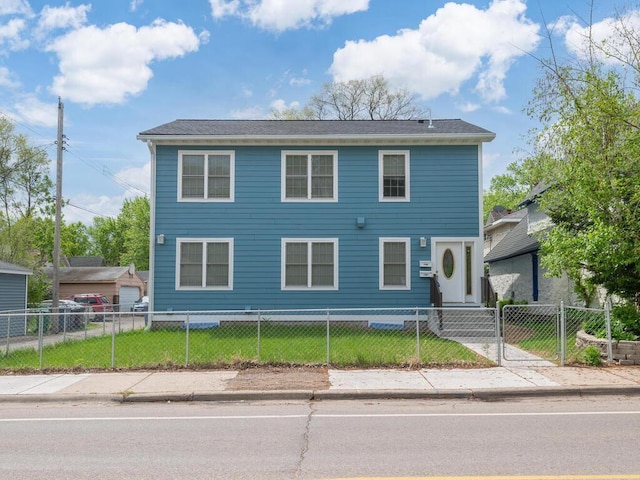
281 378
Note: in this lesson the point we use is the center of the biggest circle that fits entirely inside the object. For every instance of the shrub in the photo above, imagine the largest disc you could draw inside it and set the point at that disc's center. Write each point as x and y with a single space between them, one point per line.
625 324
628 318
591 356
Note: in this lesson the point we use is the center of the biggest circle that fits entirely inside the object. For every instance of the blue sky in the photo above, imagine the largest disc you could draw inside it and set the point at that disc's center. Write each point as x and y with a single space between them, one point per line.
124 66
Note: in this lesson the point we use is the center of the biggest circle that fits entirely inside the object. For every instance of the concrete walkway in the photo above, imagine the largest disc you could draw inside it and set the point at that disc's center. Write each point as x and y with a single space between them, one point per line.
222 385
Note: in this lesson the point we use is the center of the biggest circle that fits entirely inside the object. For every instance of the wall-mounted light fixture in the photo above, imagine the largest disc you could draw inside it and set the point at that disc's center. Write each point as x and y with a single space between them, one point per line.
423 242
361 222
160 239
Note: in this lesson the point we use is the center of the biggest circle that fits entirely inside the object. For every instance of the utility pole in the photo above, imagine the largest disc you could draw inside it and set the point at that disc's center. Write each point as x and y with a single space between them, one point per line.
55 324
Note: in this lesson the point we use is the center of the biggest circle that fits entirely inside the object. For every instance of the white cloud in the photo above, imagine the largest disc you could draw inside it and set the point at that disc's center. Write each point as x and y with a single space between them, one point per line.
12 7
455 45
85 207
224 8
107 65
7 79
249 113
108 206
32 111
299 81
467 107
280 15
280 105
53 18
608 33
11 34
135 4
137 177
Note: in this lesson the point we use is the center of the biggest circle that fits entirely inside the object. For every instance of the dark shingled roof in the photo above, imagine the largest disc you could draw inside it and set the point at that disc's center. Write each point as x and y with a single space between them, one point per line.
285 128
514 244
89 274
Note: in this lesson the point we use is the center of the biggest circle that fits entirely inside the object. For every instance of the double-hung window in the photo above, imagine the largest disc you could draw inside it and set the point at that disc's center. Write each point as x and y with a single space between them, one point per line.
309 176
393 175
309 264
395 264
204 264
206 176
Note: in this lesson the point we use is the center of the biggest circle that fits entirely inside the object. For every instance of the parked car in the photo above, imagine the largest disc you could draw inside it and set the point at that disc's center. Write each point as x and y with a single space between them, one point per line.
98 303
141 305
79 313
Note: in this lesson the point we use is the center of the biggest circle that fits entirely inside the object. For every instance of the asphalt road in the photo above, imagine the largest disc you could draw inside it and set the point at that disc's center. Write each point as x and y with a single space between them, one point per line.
596 437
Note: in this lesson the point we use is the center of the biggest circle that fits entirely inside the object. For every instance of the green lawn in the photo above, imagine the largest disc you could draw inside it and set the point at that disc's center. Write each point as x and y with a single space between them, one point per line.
236 344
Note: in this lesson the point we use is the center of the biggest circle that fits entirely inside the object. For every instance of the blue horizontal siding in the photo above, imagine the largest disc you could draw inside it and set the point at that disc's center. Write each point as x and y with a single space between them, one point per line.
444 203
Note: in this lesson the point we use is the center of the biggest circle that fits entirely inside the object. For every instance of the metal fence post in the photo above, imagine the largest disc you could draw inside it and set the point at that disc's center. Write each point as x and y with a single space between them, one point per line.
563 334
498 335
186 348
113 341
417 334
328 338
259 317
40 339
8 334
607 318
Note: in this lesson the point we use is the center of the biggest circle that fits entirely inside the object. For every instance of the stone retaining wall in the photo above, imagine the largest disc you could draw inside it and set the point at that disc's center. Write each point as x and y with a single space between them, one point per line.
625 352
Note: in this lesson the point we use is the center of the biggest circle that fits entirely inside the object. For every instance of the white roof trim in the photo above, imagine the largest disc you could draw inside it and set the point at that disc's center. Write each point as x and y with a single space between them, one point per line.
386 139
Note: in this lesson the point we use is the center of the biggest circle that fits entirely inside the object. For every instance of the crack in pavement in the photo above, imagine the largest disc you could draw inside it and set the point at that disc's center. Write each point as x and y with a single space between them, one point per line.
305 441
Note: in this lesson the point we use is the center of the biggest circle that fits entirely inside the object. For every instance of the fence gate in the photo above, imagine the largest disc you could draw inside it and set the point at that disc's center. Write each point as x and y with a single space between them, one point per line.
534 331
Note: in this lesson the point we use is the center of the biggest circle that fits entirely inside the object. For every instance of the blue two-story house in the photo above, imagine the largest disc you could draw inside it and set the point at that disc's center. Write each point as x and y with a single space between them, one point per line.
285 214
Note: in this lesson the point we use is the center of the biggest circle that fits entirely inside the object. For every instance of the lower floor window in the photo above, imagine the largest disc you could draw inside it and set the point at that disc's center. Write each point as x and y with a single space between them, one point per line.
204 263
309 263
395 271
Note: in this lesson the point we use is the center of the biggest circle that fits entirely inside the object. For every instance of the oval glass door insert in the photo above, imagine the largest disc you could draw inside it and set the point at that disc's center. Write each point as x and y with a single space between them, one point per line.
448 263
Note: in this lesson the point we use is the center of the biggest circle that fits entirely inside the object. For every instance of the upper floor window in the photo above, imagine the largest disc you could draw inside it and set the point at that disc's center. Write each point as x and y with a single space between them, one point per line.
310 264
393 175
204 263
395 264
309 176
206 176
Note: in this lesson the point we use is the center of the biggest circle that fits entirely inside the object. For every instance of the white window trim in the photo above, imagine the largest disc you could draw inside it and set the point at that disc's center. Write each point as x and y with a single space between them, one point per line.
180 241
308 241
232 175
308 153
407 242
407 170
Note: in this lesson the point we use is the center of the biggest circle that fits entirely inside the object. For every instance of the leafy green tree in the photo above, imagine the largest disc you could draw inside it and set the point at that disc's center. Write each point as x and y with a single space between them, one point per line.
125 239
367 99
107 239
134 221
590 144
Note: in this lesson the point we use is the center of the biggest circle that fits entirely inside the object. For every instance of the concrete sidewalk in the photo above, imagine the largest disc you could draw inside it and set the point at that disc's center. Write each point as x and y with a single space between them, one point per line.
319 383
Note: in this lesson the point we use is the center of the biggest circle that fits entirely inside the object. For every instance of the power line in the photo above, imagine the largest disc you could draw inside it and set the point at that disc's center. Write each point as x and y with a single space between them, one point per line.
104 171
88 210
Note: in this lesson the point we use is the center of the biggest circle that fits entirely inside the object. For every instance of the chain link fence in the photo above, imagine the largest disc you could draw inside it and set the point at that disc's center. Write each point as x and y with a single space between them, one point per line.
40 340
350 337
549 332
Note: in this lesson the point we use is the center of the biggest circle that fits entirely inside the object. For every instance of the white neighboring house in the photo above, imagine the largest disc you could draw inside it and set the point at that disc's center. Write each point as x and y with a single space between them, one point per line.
514 264
500 222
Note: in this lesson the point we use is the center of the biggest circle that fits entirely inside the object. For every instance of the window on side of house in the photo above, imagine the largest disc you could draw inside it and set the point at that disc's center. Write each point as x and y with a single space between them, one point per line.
309 264
395 264
309 176
393 175
206 176
204 264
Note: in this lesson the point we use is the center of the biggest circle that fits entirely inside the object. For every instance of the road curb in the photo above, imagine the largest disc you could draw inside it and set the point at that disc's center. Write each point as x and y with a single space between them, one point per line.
57 397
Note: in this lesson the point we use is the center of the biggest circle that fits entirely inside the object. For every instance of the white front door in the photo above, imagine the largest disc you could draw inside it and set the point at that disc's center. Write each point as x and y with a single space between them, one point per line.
450 268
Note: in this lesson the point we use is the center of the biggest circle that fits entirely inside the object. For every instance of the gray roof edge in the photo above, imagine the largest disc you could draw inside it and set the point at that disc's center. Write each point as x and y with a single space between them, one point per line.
11 269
